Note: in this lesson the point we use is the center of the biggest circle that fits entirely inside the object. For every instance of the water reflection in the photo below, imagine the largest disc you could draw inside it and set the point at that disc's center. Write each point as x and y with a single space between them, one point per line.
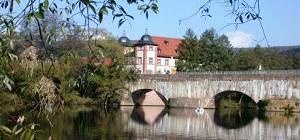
160 123
216 124
232 118
148 115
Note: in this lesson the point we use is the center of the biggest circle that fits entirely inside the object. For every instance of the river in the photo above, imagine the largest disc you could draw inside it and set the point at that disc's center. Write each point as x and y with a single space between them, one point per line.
92 123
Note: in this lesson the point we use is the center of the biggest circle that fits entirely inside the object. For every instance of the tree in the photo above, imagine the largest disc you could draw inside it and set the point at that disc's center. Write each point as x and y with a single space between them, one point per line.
208 53
51 28
105 81
188 50
217 54
247 60
242 11
265 58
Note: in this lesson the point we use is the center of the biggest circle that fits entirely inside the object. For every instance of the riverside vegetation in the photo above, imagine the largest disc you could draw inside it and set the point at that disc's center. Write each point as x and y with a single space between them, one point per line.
76 77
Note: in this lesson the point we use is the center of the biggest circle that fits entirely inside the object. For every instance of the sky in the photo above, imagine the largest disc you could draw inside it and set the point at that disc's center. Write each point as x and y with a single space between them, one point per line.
281 22
280 19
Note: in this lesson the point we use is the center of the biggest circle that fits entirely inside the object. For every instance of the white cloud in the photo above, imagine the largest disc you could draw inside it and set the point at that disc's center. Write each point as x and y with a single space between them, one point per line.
240 39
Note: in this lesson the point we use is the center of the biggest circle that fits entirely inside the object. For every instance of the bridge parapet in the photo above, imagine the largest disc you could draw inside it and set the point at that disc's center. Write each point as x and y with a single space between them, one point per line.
227 75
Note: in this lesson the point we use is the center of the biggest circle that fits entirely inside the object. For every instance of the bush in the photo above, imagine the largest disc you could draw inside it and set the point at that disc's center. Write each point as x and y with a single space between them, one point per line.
72 99
262 104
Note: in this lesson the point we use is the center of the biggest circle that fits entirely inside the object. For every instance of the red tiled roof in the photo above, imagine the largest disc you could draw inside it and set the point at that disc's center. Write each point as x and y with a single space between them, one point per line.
167 46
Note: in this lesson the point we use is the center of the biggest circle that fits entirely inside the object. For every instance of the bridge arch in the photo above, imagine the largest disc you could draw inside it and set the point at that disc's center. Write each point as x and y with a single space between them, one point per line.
231 98
148 97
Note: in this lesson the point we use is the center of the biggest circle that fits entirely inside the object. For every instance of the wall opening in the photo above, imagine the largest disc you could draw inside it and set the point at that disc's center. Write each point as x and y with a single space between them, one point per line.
233 99
148 97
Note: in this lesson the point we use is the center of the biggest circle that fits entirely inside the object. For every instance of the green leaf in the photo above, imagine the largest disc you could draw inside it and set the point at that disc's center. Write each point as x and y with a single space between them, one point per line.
241 19
154 8
121 21
18 131
11 44
130 16
93 8
39 15
147 15
8 82
46 4
55 5
14 129
5 129
104 10
100 16
123 10
6 4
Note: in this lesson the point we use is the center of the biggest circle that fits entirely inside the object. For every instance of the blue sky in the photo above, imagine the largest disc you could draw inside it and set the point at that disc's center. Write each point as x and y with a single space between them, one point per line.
281 21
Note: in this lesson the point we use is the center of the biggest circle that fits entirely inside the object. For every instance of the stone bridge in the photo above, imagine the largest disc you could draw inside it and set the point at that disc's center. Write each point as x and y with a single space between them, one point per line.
203 87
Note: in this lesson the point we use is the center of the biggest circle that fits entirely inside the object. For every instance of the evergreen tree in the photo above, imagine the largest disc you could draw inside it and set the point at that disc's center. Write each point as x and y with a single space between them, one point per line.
208 53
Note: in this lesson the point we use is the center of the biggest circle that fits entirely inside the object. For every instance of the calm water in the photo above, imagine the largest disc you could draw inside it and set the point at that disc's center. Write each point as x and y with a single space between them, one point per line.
91 123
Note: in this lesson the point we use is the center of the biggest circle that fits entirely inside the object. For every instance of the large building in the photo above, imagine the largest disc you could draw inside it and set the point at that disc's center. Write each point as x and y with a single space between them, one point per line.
152 54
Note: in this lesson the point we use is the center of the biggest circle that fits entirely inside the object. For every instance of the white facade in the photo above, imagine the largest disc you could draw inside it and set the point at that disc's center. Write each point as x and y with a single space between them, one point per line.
166 65
153 55
147 61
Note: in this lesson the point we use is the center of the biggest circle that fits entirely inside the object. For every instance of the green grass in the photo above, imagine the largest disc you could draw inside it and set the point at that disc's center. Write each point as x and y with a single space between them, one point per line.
72 99
10 102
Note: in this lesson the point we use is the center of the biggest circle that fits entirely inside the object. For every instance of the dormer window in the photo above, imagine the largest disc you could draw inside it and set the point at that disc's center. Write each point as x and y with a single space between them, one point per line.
146 38
158 50
166 42
123 40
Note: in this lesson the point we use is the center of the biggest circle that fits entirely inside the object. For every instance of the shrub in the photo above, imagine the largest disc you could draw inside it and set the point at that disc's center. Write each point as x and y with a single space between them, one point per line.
262 104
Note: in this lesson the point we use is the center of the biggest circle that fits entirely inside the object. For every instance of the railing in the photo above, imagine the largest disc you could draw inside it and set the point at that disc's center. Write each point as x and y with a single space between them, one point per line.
267 72
235 73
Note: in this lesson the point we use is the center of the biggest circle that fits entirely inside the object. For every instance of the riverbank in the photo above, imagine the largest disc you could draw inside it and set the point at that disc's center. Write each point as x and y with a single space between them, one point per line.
11 102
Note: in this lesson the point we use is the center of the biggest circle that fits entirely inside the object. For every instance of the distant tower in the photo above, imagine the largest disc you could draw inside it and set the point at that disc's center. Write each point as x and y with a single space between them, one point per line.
146 54
124 33
124 40
146 31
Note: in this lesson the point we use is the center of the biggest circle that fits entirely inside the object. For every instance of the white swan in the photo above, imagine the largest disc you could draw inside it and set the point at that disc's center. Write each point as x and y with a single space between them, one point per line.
199 110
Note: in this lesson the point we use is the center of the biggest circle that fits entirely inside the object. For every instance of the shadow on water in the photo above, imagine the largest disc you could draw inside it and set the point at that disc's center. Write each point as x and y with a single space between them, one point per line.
148 115
232 118
75 123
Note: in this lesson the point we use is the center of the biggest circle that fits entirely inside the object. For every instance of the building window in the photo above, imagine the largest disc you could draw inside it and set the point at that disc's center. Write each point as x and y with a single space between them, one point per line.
159 62
123 40
139 60
150 60
139 48
167 62
150 48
